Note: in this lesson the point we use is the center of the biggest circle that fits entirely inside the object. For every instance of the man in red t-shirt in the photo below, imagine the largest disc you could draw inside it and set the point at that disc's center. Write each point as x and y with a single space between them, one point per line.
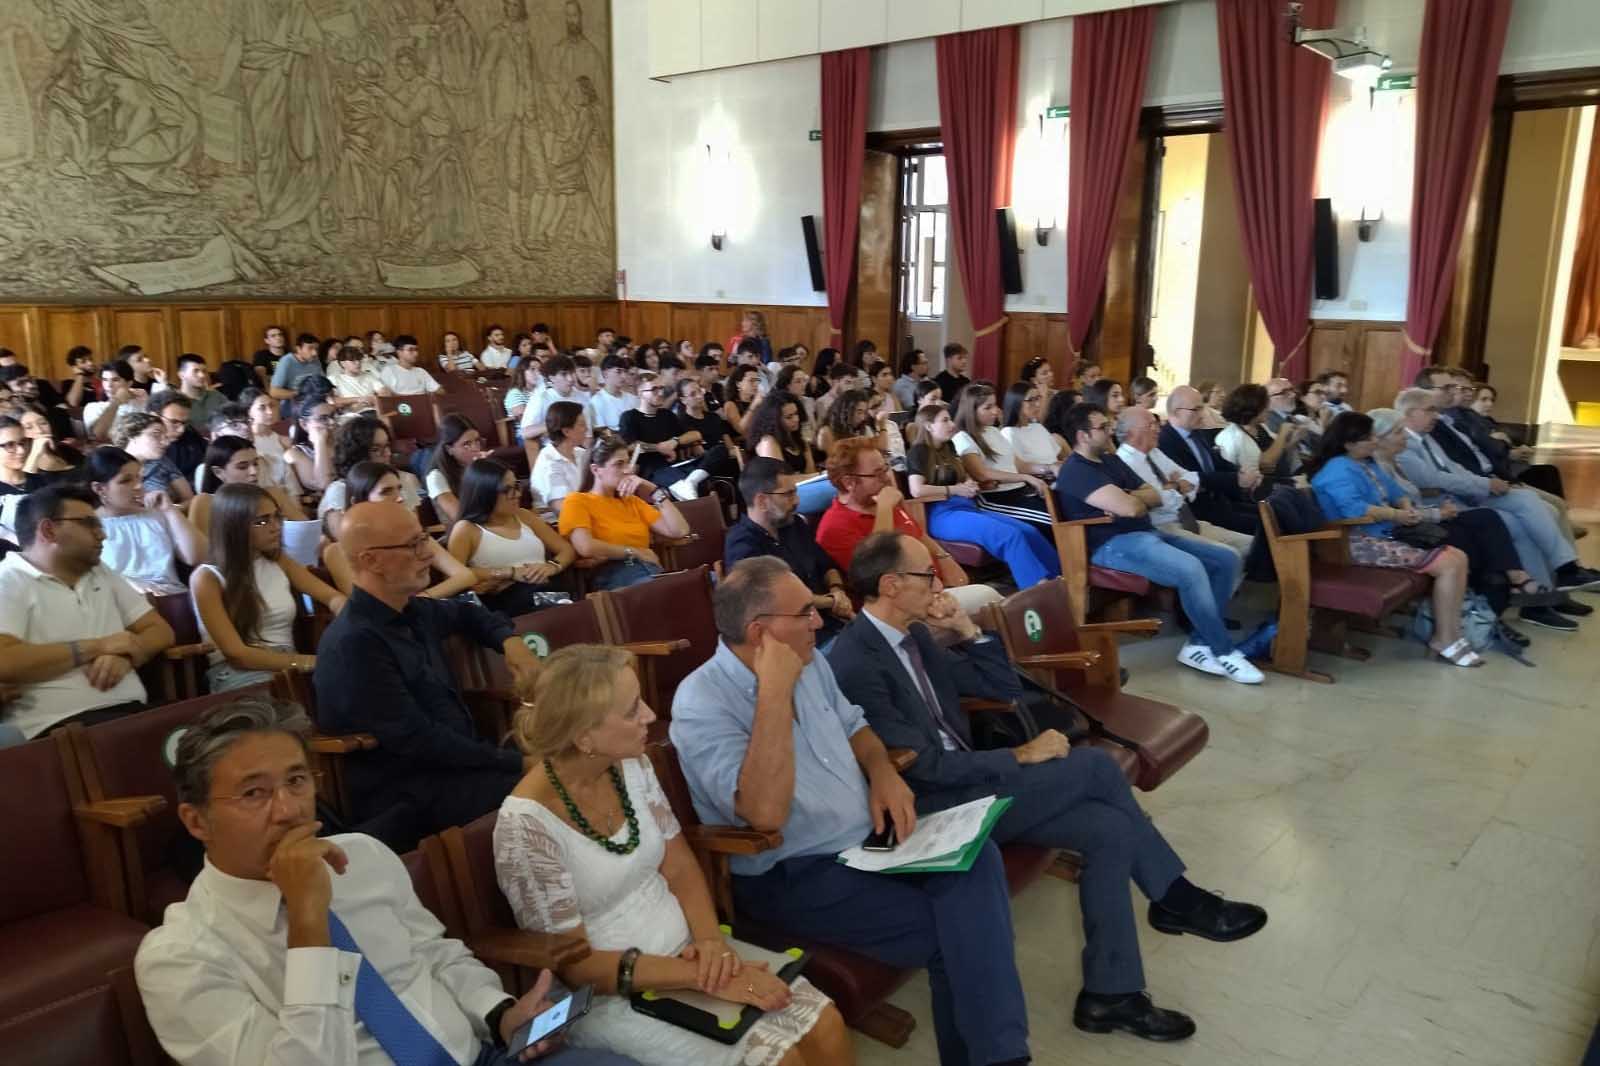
868 502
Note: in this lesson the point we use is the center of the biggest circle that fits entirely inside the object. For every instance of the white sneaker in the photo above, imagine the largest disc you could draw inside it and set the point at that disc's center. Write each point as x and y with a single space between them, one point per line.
685 490
1237 668
1199 657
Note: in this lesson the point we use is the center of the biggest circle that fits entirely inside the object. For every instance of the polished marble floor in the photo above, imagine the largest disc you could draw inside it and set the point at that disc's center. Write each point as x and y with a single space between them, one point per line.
1426 838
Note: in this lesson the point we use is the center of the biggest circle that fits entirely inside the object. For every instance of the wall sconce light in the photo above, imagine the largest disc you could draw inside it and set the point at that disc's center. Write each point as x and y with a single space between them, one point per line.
1041 230
1368 223
718 170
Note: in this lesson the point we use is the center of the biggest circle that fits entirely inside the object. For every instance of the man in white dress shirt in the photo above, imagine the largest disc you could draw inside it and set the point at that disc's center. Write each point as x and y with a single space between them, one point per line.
1138 431
496 356
297 949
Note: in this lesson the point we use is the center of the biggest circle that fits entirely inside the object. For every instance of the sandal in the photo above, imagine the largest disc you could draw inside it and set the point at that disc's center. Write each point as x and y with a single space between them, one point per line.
1458 654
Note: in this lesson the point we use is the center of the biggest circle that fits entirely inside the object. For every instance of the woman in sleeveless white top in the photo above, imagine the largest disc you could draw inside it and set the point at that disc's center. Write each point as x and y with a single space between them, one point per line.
514 552
559 878
143 542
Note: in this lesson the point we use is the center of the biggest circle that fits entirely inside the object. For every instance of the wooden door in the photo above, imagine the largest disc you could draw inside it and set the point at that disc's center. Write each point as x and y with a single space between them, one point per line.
873 312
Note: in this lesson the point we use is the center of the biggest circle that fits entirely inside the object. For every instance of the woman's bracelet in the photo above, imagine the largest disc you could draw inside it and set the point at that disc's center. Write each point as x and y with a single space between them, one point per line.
625 966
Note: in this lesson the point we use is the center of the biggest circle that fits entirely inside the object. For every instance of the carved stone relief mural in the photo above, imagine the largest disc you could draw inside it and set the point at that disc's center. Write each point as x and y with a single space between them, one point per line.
305 148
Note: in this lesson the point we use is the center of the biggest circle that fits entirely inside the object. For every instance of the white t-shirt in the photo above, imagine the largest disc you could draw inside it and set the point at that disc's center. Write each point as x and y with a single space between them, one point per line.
36 608
1236 445
606 410
140 548
539 403
1002 459
495 358
93 411
437 484
365 383
554 477
1032 443
409 381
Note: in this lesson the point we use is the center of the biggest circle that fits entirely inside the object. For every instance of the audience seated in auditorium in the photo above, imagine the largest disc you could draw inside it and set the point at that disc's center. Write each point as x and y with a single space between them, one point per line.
1032 446
495 354
851 416
774 432
72 633
246 594
145 532
739 396
1336 391
752 337
1350 484
380 483
1145 392
793 380
48 455
233 460
311 438
1107 395
145 437
1225 496
771 526
194 382
354 384
1269 456
1286 405
953 378
767 740
612 522
454 357
560 383
79 386
403 376
587 843
15 481
289 371
275 345
295 947
526 379
458 445
559 470
282 463
524 351
1494 568
697 416
186 447
1038 373
938 477
361 440
514 553
27 391
890 663
382 670
1095 483
838 378
868 502
1208 413
1138 430
666 451
1006 486
613 399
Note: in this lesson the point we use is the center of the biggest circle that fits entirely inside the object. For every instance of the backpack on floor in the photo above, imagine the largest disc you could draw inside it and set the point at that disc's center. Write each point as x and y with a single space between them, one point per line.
1479 623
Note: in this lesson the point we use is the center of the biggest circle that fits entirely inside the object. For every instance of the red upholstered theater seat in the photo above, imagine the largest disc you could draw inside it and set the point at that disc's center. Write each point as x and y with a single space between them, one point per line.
1118 581
1367 591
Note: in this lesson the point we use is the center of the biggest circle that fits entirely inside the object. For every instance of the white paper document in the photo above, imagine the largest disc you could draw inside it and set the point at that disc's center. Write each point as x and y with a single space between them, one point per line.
936 835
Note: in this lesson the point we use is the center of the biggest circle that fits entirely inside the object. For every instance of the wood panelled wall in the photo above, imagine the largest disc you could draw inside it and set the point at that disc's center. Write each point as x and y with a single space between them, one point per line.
1369 353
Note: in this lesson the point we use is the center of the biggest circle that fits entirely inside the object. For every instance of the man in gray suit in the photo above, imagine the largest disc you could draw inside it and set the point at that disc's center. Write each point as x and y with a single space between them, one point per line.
1544 547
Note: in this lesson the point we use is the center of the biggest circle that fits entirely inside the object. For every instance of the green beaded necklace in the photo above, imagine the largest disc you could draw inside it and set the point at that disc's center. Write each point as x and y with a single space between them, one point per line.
583 823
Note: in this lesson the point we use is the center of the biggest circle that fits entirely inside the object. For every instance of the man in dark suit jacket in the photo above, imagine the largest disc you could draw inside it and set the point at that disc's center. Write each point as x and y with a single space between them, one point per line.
888 662
1224 497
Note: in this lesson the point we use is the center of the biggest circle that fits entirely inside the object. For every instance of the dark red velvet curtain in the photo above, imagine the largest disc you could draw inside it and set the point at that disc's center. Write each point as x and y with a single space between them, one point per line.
1274 96
978 118
1110 54
1456 72
1583 297
846 82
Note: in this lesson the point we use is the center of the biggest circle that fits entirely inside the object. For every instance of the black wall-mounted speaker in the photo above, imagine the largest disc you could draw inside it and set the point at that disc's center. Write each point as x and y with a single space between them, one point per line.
1010 259
1327 251
808 223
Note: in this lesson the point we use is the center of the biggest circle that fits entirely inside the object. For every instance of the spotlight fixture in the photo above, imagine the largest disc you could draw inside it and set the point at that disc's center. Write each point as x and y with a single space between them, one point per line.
1349 52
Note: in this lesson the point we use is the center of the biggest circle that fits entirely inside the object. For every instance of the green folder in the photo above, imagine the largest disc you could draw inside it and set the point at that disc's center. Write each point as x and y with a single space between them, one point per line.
960 860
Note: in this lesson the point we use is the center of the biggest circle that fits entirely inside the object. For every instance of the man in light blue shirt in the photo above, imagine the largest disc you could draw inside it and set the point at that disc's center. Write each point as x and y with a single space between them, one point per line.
766 739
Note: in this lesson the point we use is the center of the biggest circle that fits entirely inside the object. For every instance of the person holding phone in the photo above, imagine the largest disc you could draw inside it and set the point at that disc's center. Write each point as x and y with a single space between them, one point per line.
292 947
587 842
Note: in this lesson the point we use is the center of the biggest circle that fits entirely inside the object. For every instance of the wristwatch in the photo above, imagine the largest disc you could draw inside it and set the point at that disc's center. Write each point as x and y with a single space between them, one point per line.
629 555
492 1020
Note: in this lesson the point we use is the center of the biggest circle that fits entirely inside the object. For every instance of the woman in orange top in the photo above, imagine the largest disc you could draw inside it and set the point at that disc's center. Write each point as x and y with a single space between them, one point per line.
611 520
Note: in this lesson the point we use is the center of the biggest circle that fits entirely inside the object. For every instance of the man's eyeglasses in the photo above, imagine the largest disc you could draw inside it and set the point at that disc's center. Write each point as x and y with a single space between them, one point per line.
90 522
299 785
874 474
1180 410
930 575
417 545
809 612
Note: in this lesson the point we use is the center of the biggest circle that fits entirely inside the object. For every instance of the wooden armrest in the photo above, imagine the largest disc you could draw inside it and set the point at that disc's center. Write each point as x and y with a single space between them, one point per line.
1147 626
676 542
1359 520
184 651
1316 534
656 647
902 757
974 705
124 813
732 840
585 562
1101 521
536 951
1063 660
341 745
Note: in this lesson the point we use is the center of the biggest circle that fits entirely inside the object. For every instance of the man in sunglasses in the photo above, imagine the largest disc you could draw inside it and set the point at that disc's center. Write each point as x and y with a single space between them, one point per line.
907 661
381 670
72 632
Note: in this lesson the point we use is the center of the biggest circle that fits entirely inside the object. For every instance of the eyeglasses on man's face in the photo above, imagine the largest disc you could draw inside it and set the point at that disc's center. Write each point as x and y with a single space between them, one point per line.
808 613
90 522
417 545
299 784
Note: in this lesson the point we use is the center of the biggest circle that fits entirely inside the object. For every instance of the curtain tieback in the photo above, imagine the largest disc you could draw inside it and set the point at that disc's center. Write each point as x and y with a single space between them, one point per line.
997 324
1413 346
835 329
1301 343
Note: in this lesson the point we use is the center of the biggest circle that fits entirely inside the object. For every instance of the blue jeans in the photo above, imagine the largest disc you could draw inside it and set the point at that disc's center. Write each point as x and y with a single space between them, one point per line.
1018 544
571 1056
621 573
1203 572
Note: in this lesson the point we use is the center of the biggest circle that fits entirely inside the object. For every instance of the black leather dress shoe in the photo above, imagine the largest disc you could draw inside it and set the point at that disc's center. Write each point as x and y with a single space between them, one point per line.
1572 608
1133 1013
1215 919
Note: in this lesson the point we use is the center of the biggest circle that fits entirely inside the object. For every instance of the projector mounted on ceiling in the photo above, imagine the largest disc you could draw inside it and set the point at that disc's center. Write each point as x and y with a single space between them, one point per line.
1352 57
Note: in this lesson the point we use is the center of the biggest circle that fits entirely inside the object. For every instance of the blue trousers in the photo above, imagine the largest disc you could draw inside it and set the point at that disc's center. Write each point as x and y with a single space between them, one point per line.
1535 529
571 1056
1030 557
1083 803
957 926
1204 573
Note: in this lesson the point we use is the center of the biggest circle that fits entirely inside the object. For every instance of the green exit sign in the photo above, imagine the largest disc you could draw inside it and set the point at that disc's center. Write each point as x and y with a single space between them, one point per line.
1059 111
1397 82
816 135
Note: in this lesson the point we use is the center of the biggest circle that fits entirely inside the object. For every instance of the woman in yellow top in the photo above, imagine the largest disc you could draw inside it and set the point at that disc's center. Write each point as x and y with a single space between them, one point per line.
611 520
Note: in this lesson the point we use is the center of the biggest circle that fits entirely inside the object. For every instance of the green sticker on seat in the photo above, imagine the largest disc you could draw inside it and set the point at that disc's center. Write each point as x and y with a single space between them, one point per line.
536 643
403 408
1033 625
169 746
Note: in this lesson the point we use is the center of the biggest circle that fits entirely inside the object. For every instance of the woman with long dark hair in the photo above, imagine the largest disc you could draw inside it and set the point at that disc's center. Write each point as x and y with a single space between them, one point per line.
1247 444
361 440
826 357
1009 487
245 595
773 431
146 533
233 460
369 482
739 398
1032 444
311 436
514 553
50 459
459 444
1349 483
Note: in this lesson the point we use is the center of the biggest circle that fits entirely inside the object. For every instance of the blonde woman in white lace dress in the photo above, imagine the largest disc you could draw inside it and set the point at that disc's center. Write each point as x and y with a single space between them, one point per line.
587 843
